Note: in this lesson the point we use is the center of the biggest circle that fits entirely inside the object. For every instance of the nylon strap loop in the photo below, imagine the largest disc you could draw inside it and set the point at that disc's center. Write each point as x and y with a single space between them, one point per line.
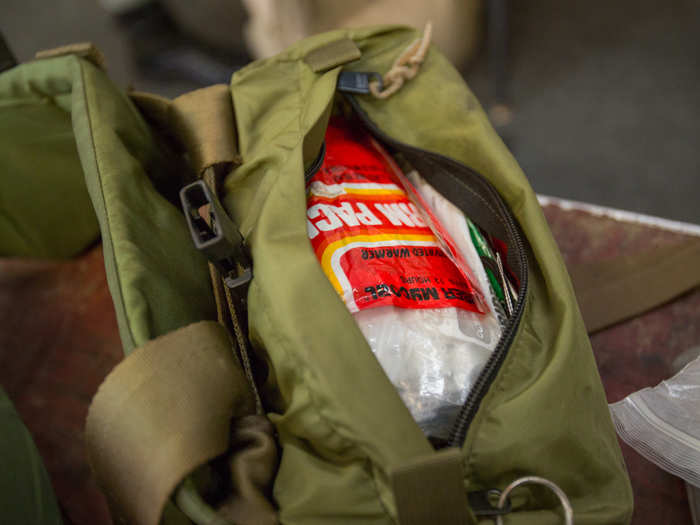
162 412
331 55
86 50
431 489
615 290
204 121
155 108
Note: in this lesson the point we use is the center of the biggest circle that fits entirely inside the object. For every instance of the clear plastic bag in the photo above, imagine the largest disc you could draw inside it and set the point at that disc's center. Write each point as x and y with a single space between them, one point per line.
433 357
663 423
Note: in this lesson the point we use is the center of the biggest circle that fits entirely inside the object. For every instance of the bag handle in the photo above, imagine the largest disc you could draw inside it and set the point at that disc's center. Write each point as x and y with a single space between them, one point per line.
86 50
202 122
162 412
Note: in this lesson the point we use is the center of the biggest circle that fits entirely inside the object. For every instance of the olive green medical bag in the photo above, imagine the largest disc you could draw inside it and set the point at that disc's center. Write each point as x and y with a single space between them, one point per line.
248 394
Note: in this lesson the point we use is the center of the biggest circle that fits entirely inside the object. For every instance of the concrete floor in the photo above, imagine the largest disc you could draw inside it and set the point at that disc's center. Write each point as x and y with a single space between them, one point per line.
606 102
605 94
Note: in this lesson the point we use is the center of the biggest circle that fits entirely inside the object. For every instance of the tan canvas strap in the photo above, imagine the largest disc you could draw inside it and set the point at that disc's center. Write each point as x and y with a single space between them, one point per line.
204 121
155 108
86 50
430 489
332 55
238 315
615 290
162 412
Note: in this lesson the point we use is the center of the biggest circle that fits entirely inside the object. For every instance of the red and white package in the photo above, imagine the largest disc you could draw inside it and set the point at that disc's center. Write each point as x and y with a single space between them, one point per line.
399 272
377 246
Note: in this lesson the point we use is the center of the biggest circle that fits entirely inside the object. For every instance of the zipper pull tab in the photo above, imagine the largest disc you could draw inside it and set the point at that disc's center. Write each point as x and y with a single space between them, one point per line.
358 82
506 285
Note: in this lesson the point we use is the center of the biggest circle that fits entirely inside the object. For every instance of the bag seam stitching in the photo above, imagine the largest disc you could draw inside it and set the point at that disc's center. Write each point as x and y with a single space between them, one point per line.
284 344
108 221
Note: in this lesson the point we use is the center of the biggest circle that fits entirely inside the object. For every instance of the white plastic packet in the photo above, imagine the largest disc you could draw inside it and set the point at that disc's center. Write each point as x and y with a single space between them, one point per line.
663 423
454 223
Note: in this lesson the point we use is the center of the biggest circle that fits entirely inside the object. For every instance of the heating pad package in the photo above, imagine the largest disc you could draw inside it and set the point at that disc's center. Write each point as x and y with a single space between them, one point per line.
408 272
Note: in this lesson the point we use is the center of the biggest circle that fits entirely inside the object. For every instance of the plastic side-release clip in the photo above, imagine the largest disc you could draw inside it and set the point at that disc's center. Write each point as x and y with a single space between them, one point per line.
358 81
219 237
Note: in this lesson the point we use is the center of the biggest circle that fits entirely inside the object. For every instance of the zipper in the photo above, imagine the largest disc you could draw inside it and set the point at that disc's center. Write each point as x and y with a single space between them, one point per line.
316 164
477 393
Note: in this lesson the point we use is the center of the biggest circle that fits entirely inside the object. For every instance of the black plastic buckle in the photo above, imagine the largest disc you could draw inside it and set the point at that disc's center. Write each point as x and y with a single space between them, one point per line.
357 81
481 503
220 240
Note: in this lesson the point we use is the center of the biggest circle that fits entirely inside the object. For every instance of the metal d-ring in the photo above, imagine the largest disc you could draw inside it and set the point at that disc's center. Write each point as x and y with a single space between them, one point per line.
568 511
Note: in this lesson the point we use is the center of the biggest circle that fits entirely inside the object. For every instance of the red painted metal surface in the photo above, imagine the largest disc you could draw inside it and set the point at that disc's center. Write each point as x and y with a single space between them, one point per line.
57 343
637 353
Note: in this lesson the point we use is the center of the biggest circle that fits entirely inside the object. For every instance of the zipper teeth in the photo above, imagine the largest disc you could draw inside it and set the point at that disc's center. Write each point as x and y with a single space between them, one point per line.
478 391
488 374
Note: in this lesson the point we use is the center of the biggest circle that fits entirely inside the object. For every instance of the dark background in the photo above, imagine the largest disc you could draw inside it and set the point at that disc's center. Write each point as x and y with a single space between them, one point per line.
604 96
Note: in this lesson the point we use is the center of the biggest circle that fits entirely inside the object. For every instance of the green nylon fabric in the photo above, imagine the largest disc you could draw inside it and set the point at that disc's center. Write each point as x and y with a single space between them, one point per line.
158 281
545 414
548 388
45 209
26 495
329 391
341 423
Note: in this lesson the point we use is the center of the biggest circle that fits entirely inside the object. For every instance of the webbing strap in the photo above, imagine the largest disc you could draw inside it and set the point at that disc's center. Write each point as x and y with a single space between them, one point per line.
155 108
331 55
86 50
430 489
163 411
615 290
204 121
